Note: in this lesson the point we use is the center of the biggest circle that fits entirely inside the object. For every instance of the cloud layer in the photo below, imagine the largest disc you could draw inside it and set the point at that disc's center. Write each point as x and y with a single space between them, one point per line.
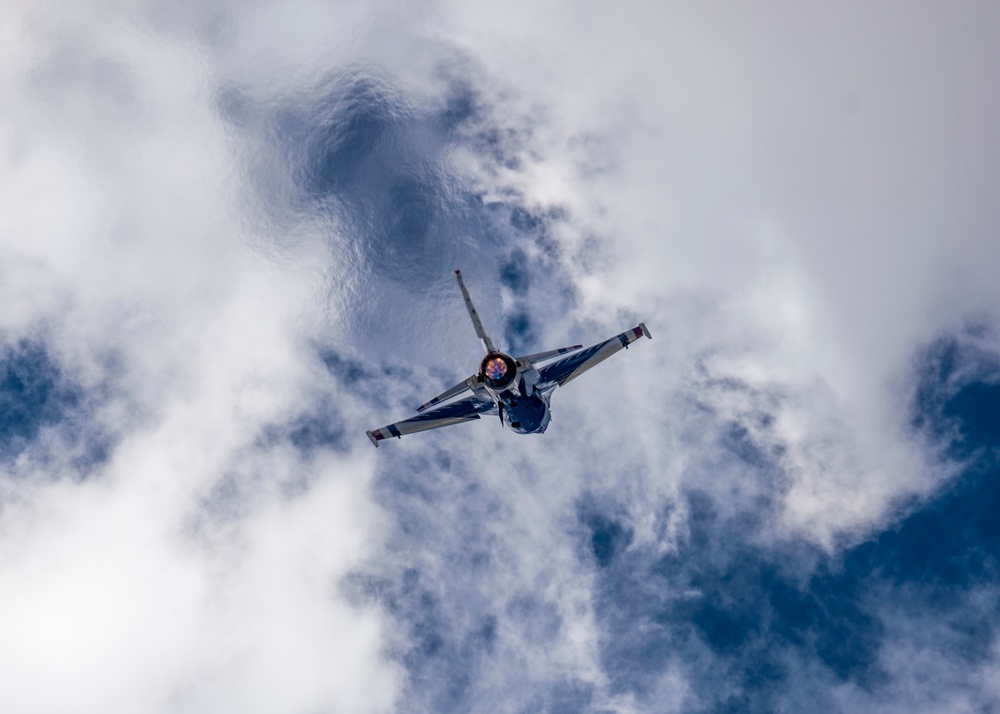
227 248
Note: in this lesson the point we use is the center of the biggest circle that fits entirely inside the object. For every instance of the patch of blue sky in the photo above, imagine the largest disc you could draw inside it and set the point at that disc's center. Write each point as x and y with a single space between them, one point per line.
33 394
357 148
537 289
514 274
44 412
959 386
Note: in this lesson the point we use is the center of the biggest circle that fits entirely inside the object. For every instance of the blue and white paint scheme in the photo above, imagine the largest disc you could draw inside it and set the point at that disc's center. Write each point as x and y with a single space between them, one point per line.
514 388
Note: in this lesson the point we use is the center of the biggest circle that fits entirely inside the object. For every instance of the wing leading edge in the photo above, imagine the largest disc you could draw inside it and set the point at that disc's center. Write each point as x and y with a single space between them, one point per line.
455 413
569 368
549 354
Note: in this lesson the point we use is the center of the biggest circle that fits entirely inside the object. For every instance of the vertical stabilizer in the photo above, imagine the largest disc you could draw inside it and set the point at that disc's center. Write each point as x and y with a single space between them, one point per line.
480 332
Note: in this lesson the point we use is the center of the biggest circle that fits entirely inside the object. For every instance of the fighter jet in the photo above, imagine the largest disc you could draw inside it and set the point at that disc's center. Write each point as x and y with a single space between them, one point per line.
517 389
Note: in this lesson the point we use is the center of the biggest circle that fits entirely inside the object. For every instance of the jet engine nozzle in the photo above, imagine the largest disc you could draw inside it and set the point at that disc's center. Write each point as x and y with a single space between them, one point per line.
497 370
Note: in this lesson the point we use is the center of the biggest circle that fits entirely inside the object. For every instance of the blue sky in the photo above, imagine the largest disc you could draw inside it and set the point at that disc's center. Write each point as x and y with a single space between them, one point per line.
227 251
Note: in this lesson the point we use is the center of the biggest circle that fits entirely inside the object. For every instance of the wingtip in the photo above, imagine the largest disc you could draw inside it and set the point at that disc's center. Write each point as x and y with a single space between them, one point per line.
645 331
374 441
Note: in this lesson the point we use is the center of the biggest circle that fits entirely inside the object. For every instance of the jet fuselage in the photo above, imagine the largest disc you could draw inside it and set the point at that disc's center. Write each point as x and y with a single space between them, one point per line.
511 384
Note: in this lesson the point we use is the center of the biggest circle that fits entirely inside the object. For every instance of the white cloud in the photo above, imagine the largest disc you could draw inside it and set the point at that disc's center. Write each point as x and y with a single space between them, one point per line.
133 586
793 199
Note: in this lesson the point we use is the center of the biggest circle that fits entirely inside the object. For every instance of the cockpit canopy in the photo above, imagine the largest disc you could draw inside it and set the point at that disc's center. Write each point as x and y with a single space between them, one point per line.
498 370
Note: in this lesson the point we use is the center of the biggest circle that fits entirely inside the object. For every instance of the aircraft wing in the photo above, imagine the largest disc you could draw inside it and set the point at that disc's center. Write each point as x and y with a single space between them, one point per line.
455 413
569 368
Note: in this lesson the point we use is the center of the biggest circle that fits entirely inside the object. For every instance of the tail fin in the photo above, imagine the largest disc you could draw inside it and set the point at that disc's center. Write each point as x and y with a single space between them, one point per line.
480 332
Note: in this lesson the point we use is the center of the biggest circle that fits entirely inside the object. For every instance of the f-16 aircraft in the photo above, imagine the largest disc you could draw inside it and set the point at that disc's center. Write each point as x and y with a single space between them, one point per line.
516 389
